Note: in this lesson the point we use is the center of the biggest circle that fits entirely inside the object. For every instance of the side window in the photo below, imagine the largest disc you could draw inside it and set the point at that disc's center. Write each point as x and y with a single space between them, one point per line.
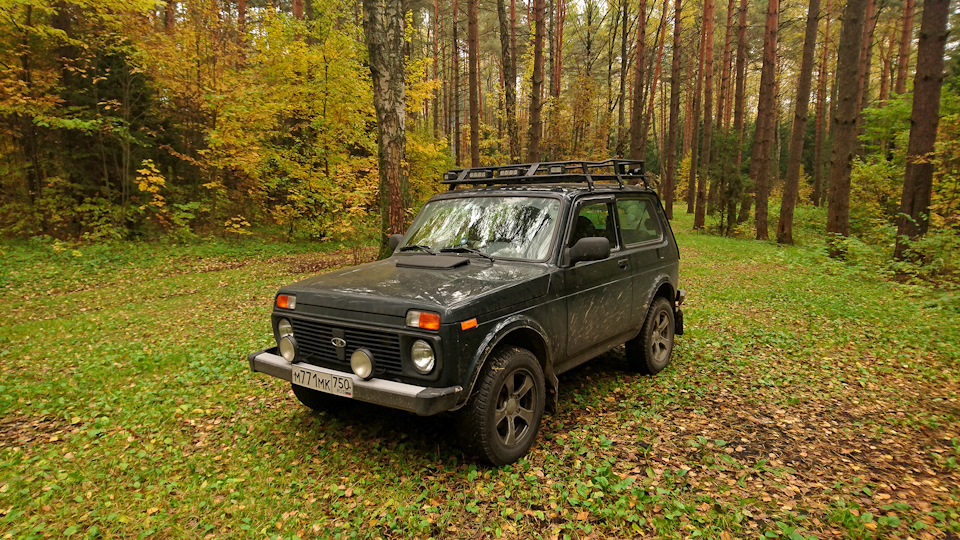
594 220
638 221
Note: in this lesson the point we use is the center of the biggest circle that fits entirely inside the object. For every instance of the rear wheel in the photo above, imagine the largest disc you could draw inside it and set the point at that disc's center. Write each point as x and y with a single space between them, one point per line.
501 420
649 352
314 399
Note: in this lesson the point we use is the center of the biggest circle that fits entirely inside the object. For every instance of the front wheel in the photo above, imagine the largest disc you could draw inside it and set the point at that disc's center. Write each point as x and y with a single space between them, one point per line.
649 352
501 420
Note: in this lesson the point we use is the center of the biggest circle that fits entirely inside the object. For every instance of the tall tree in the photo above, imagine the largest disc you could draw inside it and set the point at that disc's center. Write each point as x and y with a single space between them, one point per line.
624 62
906 40
656 68
820 129
383 28
791 187
845 119
739 106
761 161
636 112
561 18
170 15
436 68
675 82
724 100
536 86
473 53
695 135
455 83
509 81
699 216
918 178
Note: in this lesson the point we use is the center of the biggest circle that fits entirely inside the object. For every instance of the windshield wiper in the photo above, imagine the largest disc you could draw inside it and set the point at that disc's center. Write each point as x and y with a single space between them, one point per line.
418 246
465 249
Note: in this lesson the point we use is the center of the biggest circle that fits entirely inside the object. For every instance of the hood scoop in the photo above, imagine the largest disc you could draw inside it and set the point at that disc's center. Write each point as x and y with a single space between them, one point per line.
443 262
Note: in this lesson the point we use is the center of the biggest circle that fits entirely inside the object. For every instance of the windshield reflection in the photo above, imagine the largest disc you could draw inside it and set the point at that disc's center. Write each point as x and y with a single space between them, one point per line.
507 227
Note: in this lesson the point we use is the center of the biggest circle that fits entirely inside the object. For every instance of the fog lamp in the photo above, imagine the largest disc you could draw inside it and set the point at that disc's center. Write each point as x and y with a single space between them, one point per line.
361 361
288 348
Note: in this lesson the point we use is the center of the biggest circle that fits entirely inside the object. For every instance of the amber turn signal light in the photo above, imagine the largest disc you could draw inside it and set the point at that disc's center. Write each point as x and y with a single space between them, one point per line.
286 301
466 325
423 319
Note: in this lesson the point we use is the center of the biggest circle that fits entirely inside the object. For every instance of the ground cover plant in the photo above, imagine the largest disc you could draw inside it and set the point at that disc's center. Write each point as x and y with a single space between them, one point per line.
809 398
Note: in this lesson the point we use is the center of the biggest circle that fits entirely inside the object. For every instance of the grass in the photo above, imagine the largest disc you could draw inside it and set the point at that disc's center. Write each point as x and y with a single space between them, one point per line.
807 399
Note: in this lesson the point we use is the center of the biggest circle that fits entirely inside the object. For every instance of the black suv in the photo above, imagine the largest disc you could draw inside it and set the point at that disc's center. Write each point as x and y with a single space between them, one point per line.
493 291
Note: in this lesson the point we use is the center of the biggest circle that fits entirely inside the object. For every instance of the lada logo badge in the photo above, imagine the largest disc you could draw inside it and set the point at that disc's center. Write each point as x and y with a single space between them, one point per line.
339 342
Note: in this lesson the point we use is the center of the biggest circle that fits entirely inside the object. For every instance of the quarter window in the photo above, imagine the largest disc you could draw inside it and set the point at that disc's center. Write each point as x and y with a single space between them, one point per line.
638 221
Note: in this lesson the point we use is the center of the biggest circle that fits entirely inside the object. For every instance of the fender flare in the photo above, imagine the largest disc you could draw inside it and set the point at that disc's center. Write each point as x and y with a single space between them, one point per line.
494 338
661 280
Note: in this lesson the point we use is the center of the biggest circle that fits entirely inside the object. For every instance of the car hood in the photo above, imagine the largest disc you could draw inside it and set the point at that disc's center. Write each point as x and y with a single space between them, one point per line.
384 287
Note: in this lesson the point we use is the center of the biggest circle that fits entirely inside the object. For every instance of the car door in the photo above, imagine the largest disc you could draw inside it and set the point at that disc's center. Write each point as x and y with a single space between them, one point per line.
645 245
599 293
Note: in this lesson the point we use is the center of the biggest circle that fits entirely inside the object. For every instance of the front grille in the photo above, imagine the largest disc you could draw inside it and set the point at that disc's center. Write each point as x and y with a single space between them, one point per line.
316 347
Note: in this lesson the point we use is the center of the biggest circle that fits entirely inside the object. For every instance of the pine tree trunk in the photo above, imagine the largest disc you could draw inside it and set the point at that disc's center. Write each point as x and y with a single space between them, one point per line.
656 69
724 100
509 82
636 110
436 68
695 141
845 119
242 17
738 120
761 161
886 61
383 25
624 61
699 217
473 54
455 86
536 91
170 16
822 122
918 178
866 59
791 188
558 48
675 82
906 40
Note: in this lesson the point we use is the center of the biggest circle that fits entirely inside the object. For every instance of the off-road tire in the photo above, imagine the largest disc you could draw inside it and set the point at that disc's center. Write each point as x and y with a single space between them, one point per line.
650 351
500 421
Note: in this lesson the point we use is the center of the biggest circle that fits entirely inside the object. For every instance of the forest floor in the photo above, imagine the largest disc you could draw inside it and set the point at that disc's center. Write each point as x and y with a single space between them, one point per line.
807 399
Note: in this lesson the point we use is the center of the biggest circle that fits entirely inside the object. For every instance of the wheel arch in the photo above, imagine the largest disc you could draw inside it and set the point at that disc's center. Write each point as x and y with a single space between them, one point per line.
662 286
518 332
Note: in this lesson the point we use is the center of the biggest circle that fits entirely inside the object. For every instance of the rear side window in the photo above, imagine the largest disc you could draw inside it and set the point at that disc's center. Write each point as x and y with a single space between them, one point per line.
638 221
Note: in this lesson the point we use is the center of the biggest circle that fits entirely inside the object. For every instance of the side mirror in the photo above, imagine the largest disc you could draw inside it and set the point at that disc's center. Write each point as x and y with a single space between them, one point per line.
589 249
394 241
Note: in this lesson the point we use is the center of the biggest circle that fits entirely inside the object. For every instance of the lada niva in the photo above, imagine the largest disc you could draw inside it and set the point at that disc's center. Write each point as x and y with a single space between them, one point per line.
494 291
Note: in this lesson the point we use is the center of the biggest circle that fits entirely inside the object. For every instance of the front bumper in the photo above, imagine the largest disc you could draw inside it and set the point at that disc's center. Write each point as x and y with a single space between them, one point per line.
422 400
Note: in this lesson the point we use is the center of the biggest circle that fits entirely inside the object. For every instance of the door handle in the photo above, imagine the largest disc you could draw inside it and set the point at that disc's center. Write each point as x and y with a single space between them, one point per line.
623 263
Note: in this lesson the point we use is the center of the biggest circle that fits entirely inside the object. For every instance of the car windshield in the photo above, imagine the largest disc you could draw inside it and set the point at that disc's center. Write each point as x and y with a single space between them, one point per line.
509 227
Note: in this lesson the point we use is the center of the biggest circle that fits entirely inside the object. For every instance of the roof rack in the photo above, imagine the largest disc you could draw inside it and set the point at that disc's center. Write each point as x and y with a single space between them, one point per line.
550 172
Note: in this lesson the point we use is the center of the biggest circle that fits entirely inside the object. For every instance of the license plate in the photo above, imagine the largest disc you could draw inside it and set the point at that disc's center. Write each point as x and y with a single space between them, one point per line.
322 381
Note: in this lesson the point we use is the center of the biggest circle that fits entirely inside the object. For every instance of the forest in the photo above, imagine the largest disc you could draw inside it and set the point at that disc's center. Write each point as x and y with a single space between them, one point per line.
177 120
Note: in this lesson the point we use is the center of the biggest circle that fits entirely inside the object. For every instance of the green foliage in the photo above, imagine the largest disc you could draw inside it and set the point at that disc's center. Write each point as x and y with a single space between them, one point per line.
876 186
